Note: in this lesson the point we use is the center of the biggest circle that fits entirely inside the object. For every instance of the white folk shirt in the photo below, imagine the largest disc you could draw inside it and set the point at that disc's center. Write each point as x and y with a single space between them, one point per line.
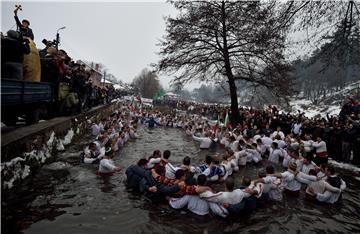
233 197
287 159
281 143
107 166
170 171
330 197
95 129
280 133
253 156
297 128
306 168
241 157
194 203
274 156
152 162
321 186
305 178
320 147
271 187
259 187
289 182
205 142
267 141
308 145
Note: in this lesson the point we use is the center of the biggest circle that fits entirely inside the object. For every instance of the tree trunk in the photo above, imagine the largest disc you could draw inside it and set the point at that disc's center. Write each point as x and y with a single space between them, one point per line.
235 116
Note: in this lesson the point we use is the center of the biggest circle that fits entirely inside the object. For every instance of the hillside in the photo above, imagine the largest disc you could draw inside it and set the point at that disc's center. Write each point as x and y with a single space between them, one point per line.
331 104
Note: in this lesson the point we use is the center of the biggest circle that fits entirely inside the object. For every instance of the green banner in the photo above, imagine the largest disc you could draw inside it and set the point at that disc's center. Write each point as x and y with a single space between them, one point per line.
159 94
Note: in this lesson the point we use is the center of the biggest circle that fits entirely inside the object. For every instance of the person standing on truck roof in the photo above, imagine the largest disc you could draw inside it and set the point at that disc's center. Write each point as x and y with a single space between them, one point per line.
23 27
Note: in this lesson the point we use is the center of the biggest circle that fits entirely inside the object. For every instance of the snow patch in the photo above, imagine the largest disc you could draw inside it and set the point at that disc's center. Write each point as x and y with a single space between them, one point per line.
39 155
13 162
19 168
16 170
51 140
345 166
60 146
68 137
333 106
67 140
26 172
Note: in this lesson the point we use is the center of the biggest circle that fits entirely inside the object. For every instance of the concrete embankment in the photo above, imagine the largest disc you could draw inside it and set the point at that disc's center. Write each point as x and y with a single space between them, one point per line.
26 149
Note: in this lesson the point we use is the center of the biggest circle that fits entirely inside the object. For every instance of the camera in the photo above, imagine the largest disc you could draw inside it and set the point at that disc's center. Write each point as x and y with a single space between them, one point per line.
49 43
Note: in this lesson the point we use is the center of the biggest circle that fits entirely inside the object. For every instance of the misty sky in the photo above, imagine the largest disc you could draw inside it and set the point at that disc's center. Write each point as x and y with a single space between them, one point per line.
121 35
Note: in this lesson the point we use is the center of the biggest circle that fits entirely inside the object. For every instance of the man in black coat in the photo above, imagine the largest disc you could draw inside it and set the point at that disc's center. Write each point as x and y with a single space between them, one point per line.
13 48
135 173
23 27
154 190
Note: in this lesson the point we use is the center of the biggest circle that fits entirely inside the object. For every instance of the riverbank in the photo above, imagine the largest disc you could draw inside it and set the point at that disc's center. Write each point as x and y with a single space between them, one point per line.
26 149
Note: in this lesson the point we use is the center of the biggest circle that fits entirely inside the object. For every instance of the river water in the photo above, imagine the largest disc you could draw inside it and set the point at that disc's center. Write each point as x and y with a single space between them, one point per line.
68 197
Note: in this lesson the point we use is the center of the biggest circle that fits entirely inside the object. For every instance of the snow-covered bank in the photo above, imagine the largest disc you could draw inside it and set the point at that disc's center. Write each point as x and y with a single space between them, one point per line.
330 105
311 110
22 157
346 166
20 167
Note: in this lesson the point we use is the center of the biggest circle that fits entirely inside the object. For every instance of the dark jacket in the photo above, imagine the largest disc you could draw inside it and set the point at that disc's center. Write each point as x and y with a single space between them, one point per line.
348 135
152 122
134 174
162 190
26 32
13 50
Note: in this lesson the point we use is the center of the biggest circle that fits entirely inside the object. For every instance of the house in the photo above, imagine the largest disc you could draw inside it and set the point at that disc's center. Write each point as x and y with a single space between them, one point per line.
95 74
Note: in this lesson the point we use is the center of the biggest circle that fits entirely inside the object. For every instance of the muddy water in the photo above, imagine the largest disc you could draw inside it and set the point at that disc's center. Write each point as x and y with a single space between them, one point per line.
68 197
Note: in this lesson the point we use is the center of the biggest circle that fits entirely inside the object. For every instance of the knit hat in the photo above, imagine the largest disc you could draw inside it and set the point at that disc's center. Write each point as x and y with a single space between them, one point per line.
13 34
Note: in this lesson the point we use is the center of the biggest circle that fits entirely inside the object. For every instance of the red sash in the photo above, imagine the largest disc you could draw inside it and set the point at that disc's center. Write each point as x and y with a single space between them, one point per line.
322 154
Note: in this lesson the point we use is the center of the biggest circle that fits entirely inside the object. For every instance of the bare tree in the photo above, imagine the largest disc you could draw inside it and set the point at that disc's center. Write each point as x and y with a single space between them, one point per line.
146 83
226 40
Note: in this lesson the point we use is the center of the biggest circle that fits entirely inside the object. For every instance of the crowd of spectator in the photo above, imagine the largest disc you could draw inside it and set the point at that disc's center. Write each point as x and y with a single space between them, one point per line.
74 85
73 79
340 132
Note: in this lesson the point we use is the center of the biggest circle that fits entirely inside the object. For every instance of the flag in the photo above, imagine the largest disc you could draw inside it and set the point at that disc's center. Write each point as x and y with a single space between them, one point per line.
132 104
217 125
226 121
139 103
159 94
139 99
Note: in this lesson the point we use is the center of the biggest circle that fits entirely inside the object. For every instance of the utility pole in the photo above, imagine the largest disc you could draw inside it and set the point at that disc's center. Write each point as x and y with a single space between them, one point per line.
58 37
